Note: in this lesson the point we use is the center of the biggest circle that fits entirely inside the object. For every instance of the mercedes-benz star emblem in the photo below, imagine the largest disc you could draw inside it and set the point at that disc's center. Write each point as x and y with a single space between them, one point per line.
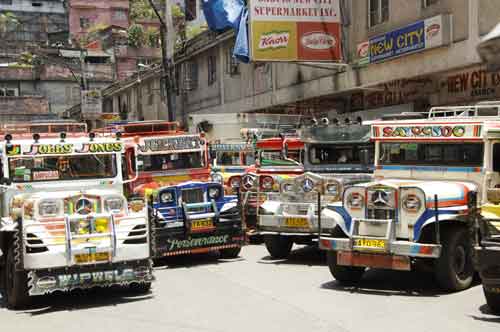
247 182
308 185
379 197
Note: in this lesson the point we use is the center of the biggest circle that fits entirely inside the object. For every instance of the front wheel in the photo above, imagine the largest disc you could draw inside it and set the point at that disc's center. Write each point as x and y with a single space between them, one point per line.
454 269
493 300
343 274
230 252
16 282
278 246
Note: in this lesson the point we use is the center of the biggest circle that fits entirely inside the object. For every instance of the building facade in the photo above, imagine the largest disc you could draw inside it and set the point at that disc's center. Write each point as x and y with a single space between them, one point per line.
371 80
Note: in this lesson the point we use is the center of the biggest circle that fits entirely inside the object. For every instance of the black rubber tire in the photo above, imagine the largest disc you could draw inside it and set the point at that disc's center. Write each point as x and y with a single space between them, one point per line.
278 246
343 274
16 283
230 253
493 301
141 288
454 270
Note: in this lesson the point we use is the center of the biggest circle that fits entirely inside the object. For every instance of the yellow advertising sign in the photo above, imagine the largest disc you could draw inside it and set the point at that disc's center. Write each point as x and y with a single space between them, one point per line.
274 40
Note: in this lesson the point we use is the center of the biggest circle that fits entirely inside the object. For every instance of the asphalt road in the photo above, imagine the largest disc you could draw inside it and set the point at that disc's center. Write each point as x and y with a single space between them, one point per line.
255 293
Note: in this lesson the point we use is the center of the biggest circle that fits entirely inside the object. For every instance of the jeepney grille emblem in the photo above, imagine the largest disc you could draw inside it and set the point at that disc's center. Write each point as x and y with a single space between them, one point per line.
308 185
247 182
380 198
83 206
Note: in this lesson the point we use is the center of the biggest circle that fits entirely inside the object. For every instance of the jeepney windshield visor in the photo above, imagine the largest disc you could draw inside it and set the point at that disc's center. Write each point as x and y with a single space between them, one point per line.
457 154
171 161
232 158
276 158
62 167
338 154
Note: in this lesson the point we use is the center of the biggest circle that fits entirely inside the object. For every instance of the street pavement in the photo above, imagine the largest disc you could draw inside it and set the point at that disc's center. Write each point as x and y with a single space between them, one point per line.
255 293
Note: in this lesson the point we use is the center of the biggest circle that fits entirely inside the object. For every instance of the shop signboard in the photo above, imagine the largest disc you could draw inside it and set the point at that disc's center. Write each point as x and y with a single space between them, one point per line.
416 37
91 104
295 30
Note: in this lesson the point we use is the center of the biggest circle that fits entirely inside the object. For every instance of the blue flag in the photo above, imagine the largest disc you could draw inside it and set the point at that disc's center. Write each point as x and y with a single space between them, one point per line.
223 14
241 49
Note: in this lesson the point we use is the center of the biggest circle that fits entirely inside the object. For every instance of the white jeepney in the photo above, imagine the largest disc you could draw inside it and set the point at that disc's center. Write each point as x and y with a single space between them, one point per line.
65 223
335 156
430 175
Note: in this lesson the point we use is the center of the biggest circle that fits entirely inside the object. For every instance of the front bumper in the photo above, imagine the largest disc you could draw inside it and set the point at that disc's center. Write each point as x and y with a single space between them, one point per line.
83 277
487 261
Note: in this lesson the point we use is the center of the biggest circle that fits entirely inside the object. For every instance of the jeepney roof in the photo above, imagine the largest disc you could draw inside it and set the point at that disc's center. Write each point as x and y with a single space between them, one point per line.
332 134
276 143
143 128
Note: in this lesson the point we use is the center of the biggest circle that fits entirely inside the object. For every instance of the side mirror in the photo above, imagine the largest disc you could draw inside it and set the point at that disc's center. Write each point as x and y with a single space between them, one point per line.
5 181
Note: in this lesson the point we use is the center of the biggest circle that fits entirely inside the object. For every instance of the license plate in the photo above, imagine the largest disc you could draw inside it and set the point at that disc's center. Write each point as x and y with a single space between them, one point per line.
202 224
92 258
370 243
297 222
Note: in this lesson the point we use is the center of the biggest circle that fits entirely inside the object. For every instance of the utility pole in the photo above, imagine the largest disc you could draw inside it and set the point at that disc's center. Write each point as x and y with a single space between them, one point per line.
166 60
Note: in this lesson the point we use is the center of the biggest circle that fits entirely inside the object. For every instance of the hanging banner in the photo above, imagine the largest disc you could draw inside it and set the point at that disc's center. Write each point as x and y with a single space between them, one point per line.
295 30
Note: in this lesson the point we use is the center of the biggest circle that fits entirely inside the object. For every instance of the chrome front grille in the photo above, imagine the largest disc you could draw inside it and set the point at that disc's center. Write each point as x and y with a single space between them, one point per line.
192 195
382 214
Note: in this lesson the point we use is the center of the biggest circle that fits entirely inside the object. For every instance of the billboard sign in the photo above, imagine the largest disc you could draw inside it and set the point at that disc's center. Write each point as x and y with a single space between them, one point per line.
416 37
292 30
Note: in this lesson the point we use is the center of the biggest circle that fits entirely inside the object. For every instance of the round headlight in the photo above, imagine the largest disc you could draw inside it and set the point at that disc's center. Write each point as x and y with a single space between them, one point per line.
217 177
235 182
332 189
213 192
167 197
411 203
355 201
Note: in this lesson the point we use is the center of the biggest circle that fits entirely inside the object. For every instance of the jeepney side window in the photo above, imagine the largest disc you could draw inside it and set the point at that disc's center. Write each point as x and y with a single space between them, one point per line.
124 167
248 158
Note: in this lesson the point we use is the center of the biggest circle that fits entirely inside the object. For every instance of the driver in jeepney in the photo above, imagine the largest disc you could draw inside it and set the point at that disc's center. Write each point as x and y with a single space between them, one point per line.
63 165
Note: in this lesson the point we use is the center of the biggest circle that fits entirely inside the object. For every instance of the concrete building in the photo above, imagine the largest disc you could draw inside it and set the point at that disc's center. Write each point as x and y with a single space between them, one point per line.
447 72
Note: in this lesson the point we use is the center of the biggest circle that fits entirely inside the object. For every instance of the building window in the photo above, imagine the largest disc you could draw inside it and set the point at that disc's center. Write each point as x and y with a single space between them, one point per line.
120 15
191 81
5 2
378 12
212 69
84 22
428 3
8 92
233 65
191 10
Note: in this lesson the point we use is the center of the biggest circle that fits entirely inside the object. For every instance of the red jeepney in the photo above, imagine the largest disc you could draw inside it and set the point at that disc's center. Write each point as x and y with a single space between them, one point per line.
166 155
278 158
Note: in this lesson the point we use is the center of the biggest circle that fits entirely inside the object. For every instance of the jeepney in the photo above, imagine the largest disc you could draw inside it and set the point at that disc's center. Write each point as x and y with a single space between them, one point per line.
230 159
277 159
165 155
65 223
335 157
429 174
196 217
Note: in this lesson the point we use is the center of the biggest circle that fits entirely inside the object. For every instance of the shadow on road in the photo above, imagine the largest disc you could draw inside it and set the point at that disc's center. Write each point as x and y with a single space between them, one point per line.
487 311
193 260
391 283
308 255
80 300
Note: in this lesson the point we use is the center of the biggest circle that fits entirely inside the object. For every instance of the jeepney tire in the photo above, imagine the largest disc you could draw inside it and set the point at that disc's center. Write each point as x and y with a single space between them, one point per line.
16 283
278 246
347 275
456 255
492 300
229 253
140 288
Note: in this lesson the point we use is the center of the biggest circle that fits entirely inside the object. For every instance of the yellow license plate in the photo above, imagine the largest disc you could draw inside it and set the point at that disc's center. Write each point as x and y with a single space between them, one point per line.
201 224
92 258
297 222
370 243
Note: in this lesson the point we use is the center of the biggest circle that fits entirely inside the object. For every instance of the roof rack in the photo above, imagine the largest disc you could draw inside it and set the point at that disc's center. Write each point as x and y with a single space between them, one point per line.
482 110
143 128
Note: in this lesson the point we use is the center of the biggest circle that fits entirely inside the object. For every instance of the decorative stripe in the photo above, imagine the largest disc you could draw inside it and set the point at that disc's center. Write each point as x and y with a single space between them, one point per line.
430 168
200 250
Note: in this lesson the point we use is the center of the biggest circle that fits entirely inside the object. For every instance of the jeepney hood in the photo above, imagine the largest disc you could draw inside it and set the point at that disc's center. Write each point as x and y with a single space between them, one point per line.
450 193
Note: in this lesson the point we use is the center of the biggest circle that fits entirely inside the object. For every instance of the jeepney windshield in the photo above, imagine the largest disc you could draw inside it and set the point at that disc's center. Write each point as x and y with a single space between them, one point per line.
62 167
329 154
276 158
235 158
432 154
171 161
